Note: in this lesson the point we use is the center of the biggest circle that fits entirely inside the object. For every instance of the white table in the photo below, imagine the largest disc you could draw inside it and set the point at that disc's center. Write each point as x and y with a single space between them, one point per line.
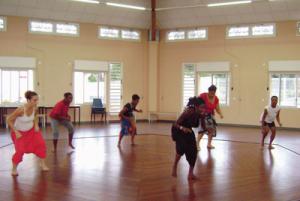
154 113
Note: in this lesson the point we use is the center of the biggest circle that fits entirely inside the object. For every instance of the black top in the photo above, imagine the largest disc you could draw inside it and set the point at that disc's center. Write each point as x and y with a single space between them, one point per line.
189 118
129 111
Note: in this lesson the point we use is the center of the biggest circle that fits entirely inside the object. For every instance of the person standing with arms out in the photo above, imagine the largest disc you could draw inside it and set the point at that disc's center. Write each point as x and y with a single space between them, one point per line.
59 116
271 112
184 137
209 123
128 125
25 132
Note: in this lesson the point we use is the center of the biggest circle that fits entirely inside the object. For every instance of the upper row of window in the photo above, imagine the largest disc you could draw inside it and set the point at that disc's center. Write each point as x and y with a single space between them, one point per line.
72 29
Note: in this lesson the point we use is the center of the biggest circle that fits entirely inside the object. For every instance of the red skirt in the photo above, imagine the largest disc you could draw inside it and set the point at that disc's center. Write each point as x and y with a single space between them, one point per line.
31 141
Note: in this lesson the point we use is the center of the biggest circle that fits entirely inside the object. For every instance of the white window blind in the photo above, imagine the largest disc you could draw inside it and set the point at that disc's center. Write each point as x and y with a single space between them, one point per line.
188 82
115 87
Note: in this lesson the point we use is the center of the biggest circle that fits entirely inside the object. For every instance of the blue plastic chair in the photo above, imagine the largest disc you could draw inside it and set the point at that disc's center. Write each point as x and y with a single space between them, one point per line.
98 108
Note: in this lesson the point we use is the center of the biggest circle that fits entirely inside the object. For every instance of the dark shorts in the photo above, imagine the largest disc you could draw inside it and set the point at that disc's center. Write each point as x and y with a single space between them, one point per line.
270 125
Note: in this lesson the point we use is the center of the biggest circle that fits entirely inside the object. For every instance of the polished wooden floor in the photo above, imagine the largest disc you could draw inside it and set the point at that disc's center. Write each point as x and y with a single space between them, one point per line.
237 170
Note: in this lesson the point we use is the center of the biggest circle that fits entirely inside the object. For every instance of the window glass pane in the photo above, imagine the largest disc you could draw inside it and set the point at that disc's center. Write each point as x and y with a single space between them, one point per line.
197 34
288 90
238 31
275 85
6 86
30 80
23 85
261 30
36 26
102 87
78 87
176 35
71 29
15 96
204 82
135 35
221 82
90 87
2 23
109 33
188 83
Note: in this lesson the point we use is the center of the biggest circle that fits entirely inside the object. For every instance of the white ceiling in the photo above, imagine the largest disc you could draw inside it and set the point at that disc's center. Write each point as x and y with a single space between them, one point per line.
258 11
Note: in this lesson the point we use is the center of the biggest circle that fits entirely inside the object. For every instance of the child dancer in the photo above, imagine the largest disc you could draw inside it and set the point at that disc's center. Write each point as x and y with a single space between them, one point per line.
268 117
25 132
128 125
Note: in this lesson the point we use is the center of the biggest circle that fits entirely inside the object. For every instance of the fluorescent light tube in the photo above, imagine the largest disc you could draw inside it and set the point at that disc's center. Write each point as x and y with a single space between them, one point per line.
125 6
88 1
228 3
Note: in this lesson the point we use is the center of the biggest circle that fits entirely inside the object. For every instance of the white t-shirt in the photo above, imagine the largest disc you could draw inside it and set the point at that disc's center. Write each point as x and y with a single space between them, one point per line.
272 113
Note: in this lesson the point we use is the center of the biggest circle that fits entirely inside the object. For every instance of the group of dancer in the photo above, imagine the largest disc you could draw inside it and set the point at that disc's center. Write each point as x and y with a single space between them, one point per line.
199 113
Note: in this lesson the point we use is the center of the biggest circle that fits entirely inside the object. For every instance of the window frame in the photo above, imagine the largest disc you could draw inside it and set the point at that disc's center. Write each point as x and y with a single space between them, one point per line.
107 88
182 82
54 31
297 74
17 69
92 72
108 38
4 24
186 35
228 75
250 31
122 88
119 34
66 34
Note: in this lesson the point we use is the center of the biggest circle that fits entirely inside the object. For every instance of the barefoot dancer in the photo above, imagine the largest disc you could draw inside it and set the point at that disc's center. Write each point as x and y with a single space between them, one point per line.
25 132
270 113
128 125
211 104
184 136
59 115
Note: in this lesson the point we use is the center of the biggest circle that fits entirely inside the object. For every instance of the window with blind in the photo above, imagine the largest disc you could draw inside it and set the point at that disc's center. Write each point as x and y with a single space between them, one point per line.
198 77
188 82
287 87
115 87
14 83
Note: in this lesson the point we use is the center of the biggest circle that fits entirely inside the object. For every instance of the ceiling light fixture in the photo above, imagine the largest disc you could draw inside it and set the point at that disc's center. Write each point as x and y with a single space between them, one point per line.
228 3
125 6
88 1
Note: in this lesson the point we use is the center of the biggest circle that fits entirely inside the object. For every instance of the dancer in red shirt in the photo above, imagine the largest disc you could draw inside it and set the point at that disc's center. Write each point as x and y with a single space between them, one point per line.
59 115
208 125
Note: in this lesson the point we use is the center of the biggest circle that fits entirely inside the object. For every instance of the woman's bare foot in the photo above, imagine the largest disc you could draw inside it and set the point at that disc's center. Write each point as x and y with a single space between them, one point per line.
44 168
71 145
192 177
210 147
14 172
271 147
174 172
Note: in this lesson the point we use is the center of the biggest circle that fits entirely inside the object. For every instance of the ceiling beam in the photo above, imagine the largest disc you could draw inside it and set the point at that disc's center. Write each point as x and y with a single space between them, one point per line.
153 20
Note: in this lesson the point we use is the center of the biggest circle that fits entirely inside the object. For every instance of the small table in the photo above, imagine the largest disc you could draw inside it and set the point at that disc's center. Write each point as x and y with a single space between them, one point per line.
74 107
5 108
